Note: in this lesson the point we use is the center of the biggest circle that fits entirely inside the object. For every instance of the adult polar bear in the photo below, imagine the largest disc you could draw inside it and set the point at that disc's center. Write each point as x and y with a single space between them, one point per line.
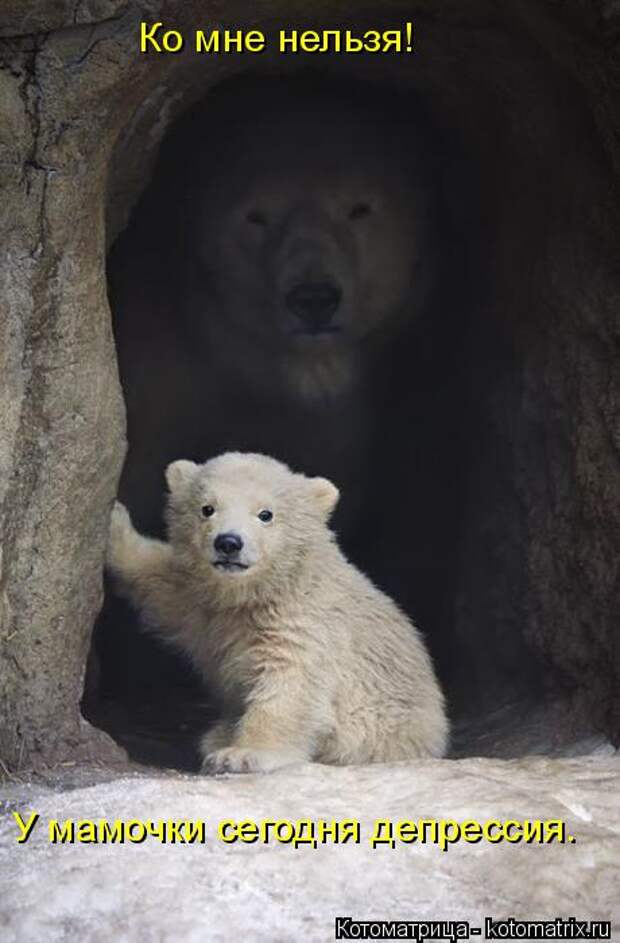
309 229
284 241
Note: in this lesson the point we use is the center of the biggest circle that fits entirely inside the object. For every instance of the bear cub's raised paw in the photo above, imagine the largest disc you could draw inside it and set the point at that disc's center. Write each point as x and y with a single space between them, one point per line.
120 538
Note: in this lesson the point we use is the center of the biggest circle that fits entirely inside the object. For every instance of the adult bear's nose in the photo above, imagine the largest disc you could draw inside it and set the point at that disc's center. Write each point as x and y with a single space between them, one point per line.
314 305
228 544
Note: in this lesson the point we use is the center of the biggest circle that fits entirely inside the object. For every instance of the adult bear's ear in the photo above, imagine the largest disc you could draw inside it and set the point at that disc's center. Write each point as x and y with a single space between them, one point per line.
179 473
324 493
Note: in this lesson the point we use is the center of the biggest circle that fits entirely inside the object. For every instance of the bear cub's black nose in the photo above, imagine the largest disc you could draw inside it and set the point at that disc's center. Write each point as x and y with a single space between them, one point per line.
228 544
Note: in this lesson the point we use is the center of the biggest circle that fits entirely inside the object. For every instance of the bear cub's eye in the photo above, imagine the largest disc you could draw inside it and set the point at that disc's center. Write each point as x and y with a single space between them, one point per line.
265 515
207 510
359 211
256 218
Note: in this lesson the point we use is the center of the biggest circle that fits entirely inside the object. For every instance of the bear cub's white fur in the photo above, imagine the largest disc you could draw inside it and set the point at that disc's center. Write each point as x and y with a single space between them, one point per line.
307 658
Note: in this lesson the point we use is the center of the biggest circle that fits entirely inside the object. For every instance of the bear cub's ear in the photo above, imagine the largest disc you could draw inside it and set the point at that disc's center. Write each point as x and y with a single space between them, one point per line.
324 493
179 473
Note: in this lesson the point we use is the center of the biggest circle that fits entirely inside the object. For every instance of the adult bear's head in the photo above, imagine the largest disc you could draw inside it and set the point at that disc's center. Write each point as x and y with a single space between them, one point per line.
305 228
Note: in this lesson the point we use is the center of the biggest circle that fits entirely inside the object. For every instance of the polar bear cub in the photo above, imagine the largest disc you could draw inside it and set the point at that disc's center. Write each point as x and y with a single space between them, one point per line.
307 659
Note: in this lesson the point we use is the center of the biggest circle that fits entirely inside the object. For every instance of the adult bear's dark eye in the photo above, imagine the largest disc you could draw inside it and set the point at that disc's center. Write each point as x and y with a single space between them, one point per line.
256 218
265 515
359 210
208 510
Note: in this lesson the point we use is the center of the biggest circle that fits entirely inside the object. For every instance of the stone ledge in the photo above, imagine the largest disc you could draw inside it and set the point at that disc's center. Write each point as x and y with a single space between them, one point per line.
275 892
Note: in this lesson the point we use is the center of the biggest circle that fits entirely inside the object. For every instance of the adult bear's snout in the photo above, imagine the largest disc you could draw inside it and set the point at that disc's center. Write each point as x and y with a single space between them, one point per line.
314 305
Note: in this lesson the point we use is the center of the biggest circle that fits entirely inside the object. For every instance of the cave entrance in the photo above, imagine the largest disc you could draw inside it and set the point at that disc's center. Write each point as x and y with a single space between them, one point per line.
451 440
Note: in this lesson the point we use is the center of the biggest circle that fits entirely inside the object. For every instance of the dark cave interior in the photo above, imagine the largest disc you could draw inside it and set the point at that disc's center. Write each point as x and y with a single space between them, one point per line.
468 499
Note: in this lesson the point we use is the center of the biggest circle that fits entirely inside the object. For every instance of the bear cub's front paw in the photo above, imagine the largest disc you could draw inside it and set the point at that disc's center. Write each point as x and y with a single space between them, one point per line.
120 537
247 760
